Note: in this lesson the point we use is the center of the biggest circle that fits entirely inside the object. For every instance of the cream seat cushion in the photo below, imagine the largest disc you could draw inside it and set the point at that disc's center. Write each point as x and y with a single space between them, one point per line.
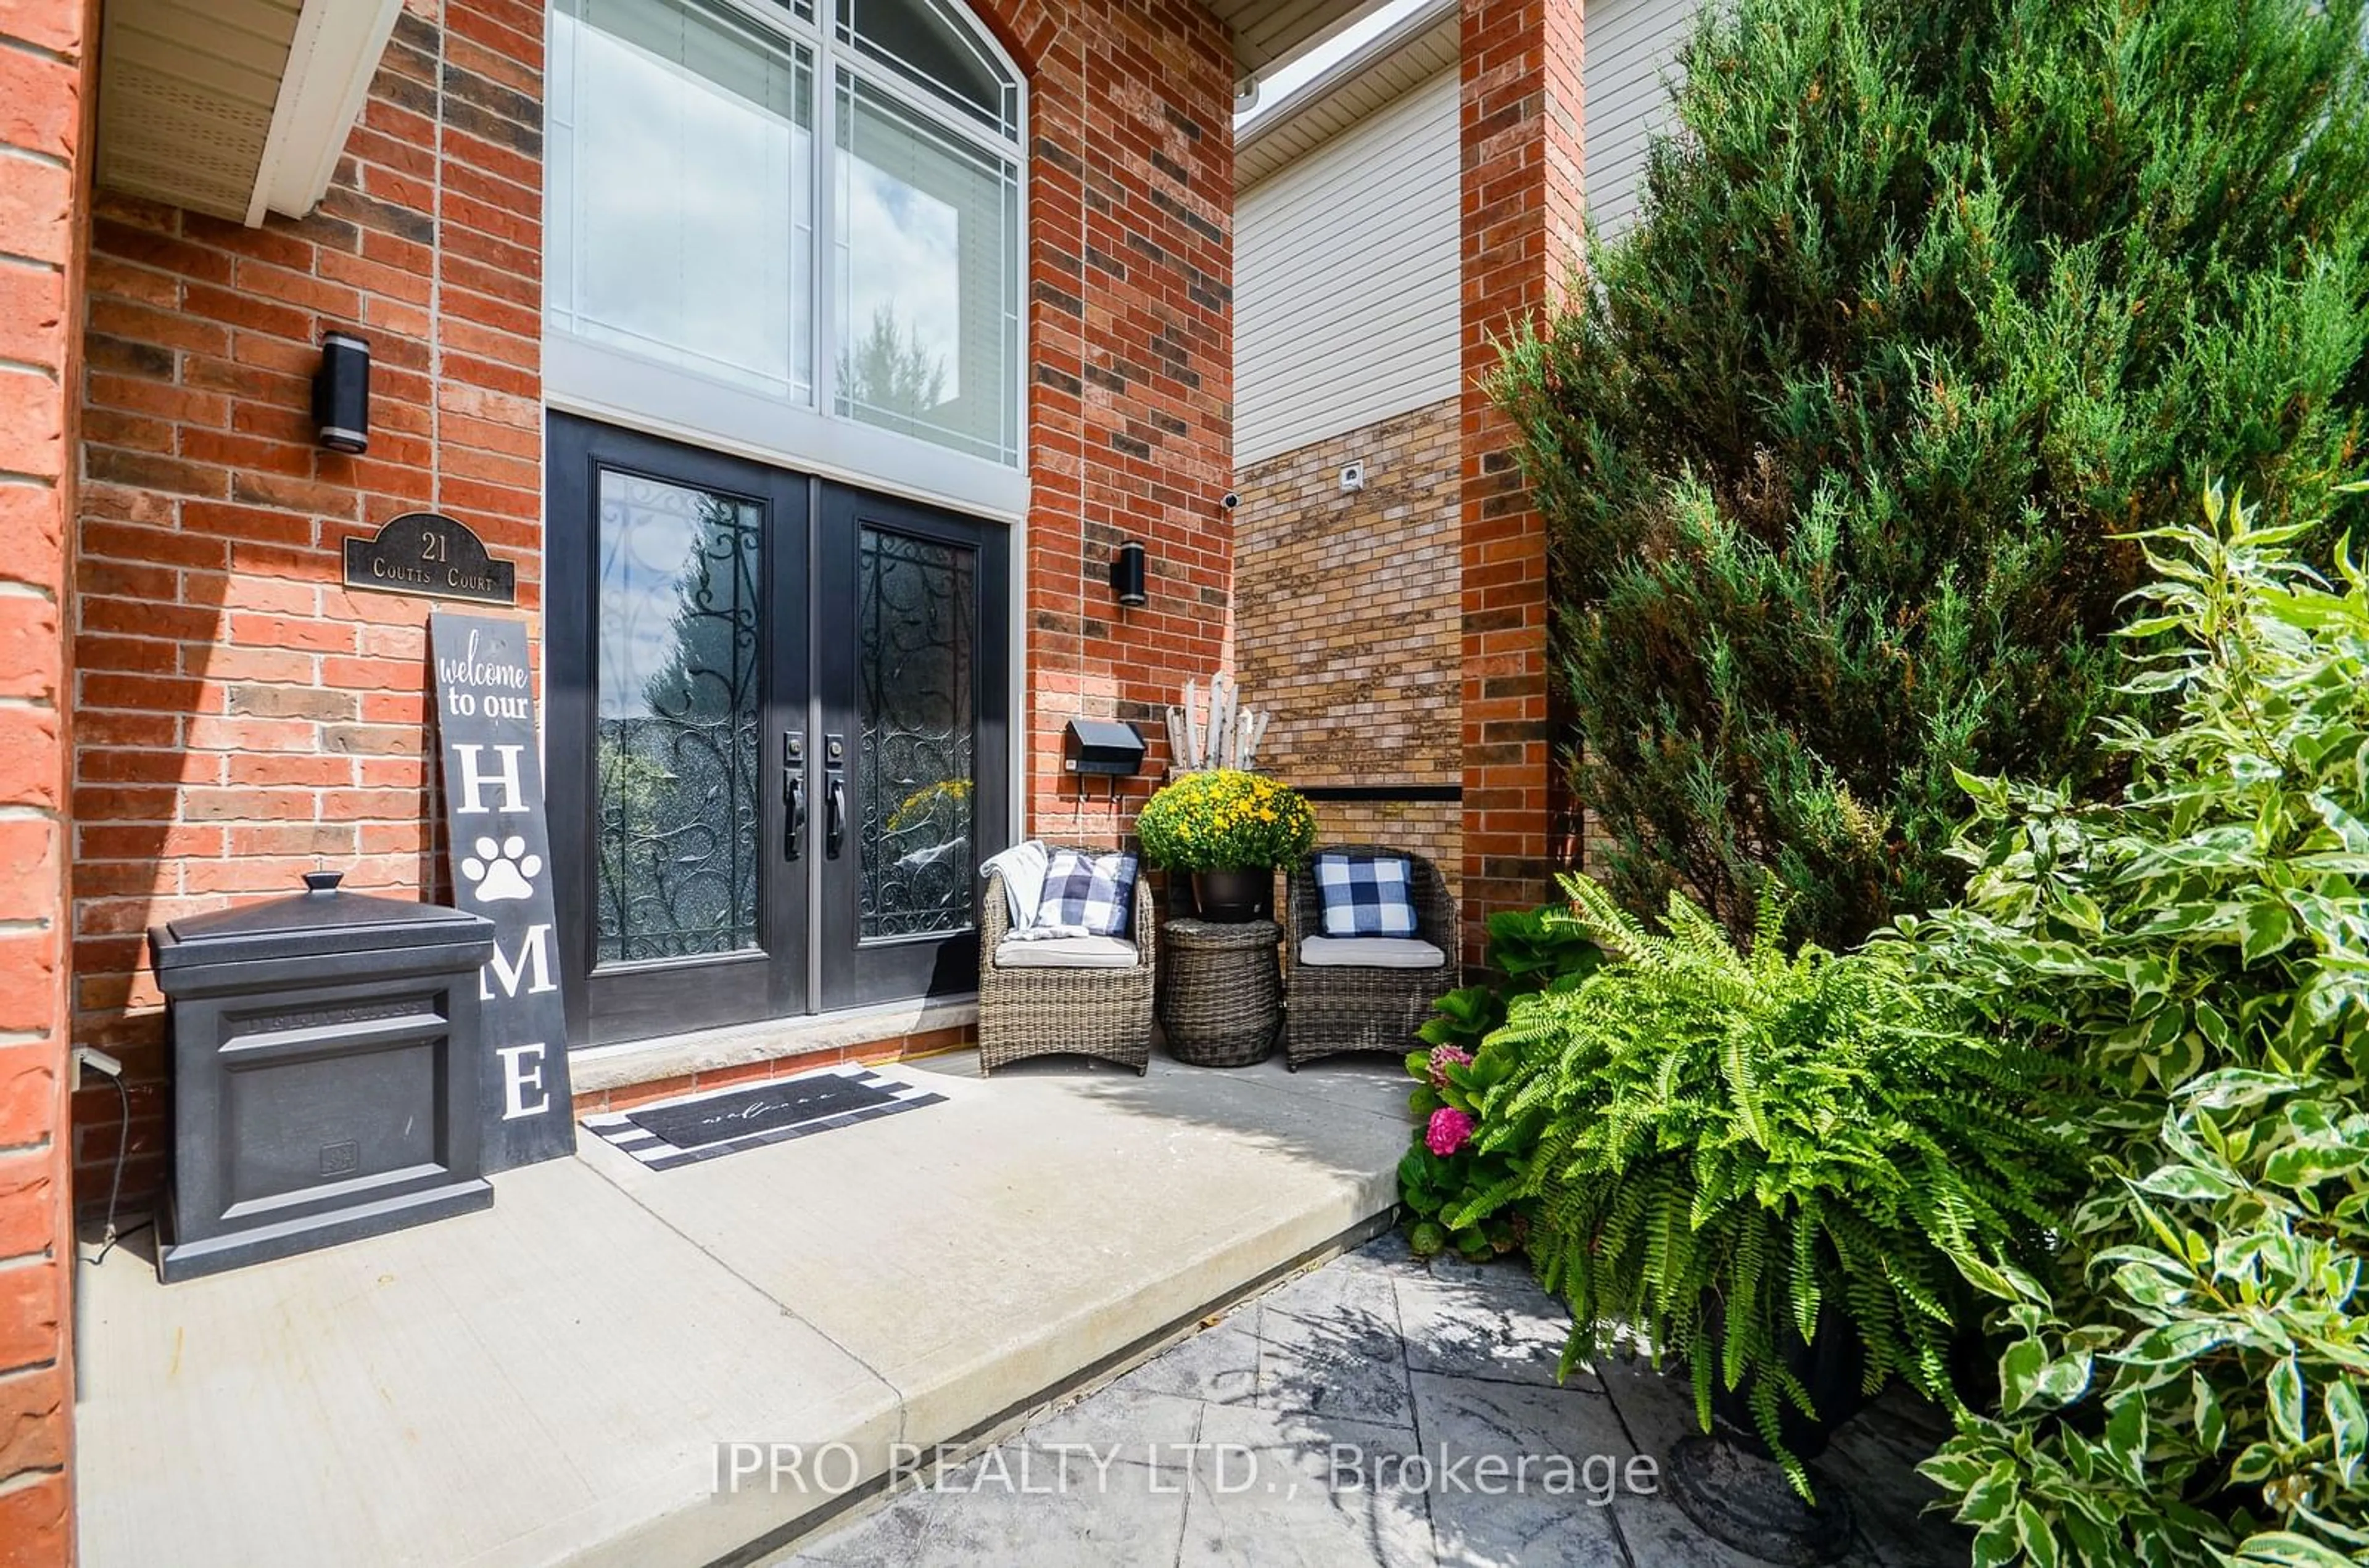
1066 953
1370 953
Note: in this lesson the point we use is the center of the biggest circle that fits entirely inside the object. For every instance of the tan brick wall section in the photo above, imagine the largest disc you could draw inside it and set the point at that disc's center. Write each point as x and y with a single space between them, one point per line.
1346 623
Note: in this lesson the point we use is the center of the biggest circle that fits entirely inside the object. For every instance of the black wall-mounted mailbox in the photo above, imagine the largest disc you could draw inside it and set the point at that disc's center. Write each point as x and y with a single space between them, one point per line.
1093 748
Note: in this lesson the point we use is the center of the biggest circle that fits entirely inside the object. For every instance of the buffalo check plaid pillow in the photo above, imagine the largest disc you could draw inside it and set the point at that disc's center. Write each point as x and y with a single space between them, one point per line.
1366 894
1087 894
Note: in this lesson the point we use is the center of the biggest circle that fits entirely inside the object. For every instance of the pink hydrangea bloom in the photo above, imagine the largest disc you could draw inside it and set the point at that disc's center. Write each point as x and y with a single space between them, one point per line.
1448 1131
1444 1057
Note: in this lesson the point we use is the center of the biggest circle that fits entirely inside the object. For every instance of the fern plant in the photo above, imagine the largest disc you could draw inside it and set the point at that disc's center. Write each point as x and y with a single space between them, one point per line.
1756 1140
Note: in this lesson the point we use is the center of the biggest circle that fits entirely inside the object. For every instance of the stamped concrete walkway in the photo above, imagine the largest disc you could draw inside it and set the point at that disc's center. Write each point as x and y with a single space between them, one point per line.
1295 1430
552 1380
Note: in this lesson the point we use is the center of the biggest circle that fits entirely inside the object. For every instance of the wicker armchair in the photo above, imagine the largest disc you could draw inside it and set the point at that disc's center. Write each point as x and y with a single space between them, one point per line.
1329 1008
1034 1011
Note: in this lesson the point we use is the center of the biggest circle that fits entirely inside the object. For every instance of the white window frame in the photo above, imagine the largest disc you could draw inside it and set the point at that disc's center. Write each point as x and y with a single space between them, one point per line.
613 384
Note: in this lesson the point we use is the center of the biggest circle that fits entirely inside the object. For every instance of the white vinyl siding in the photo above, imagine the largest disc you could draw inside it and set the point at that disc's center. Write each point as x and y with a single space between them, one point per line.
1345 280
1632 59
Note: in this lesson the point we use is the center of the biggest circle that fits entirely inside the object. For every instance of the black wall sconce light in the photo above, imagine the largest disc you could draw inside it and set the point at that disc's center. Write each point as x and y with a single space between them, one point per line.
1127 573
341 392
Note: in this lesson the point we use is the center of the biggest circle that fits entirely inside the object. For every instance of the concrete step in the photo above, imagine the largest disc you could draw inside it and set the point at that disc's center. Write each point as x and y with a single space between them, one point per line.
556 1379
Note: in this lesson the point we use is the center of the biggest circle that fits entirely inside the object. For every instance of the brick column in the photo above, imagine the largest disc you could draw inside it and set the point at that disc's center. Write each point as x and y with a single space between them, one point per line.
43 128
1130 355
1521 133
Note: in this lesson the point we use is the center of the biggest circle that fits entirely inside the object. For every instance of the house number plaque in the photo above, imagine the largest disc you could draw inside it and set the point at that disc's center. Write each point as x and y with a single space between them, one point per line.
428 553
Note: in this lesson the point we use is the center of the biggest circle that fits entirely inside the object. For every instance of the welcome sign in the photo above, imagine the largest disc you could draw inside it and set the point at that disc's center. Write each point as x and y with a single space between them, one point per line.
500 845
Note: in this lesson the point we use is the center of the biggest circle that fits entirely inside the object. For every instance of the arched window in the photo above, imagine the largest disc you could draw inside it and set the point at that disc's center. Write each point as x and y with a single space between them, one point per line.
787 229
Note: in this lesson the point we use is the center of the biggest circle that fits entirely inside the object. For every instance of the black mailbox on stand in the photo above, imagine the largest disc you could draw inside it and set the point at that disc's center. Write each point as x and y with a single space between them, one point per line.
326 1070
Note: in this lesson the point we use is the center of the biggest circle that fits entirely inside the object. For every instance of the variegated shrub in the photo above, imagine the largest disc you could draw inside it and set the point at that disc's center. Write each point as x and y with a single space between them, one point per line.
2189 1389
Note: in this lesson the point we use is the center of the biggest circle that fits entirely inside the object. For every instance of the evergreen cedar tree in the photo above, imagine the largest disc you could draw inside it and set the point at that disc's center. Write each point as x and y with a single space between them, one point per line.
1932 303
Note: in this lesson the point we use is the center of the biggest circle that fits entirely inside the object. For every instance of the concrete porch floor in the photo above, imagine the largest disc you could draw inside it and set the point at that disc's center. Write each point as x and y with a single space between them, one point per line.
548 1381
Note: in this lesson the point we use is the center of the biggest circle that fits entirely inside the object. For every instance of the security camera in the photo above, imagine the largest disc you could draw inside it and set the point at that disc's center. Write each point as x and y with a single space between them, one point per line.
1232 500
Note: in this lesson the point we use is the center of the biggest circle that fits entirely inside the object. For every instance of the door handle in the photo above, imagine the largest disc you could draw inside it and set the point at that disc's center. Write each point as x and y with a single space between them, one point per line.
837 802
794 794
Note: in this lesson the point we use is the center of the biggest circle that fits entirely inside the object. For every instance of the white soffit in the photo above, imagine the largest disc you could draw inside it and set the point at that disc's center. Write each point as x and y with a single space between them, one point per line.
1361 83
330 64
234 107
1265 31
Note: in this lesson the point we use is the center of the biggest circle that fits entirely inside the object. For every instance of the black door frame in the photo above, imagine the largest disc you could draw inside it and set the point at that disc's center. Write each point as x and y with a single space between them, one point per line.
642 1000
809 958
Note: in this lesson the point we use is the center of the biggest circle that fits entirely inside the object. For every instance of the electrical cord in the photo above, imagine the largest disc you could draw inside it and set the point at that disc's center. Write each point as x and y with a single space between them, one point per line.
108 1238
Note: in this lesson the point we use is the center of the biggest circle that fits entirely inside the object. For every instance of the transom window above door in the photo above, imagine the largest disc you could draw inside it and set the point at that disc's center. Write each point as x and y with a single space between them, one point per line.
794 232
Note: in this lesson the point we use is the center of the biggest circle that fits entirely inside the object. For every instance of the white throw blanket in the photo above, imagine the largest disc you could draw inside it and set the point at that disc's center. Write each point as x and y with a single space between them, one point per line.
1023 868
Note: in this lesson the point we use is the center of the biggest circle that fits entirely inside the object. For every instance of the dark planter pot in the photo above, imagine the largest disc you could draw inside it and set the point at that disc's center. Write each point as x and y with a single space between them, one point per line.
1973 1365
1234 895
1830 1367
1734 1491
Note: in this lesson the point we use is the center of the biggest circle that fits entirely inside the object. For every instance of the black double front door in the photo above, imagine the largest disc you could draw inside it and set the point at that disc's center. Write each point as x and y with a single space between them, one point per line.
778 744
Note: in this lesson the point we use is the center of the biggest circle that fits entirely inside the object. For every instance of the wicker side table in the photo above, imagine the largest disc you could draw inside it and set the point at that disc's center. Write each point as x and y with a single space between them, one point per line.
1220 993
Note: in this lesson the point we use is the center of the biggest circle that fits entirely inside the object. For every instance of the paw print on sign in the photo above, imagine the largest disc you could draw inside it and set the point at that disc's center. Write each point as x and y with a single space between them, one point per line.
502 870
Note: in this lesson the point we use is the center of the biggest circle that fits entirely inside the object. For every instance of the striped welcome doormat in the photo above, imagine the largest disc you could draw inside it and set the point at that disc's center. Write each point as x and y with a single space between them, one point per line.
724 1121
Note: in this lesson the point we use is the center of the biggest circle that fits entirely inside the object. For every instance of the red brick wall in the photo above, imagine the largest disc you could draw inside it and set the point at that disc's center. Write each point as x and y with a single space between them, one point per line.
1522 133
241 715
44 127
1130 284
